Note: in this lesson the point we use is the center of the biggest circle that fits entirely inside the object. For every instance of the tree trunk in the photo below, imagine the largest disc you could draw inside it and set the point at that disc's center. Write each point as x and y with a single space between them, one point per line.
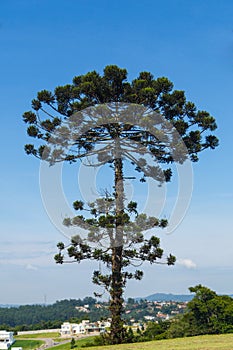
116 292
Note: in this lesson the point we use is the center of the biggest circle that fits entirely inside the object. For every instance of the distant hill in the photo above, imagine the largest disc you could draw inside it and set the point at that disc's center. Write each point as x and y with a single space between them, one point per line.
9 305
167 297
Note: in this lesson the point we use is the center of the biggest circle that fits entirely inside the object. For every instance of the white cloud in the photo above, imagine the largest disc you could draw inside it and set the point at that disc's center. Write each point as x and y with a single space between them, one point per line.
31 253
187 263
31 267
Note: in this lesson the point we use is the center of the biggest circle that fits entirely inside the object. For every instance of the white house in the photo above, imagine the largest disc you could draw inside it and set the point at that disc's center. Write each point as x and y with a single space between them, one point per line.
85 327
65 329
68 329
6 339
149 318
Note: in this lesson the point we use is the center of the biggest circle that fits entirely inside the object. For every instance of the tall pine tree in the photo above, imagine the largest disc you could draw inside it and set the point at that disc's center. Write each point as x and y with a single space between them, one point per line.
113 120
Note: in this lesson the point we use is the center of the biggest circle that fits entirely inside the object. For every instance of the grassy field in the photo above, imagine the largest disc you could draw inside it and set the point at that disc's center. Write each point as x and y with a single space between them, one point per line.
206 342
28 344
38 335
79 344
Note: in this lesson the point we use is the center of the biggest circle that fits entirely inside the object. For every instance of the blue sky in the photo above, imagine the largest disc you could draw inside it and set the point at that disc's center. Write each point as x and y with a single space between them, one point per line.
45 44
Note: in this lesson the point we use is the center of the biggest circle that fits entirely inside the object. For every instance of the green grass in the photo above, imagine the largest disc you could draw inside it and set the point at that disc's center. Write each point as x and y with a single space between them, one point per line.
206 342
38 335
79 344
28 344
58 340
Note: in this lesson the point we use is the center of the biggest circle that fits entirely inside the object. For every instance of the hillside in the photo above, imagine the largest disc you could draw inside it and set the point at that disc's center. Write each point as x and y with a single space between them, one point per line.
168 297
206 342
26 317
29 317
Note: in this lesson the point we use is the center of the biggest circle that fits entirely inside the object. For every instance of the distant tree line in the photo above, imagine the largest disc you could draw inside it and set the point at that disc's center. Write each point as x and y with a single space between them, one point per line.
33 317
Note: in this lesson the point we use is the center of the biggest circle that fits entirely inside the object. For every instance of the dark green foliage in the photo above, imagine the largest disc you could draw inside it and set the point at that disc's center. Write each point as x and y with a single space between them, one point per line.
101 229
72 343
51 108
129 337
155 330
207 313
78 205
130 301
27 317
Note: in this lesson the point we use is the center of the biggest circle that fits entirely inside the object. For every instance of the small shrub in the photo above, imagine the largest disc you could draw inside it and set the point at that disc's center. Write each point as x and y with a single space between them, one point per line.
72 343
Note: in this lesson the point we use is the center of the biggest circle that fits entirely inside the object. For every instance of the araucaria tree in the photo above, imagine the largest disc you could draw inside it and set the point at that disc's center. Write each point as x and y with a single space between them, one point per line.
112 120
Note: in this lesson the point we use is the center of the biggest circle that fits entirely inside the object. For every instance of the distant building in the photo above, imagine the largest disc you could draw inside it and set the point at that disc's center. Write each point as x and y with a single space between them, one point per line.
85 327
149 317
68 329
162 316
6 339
84 308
